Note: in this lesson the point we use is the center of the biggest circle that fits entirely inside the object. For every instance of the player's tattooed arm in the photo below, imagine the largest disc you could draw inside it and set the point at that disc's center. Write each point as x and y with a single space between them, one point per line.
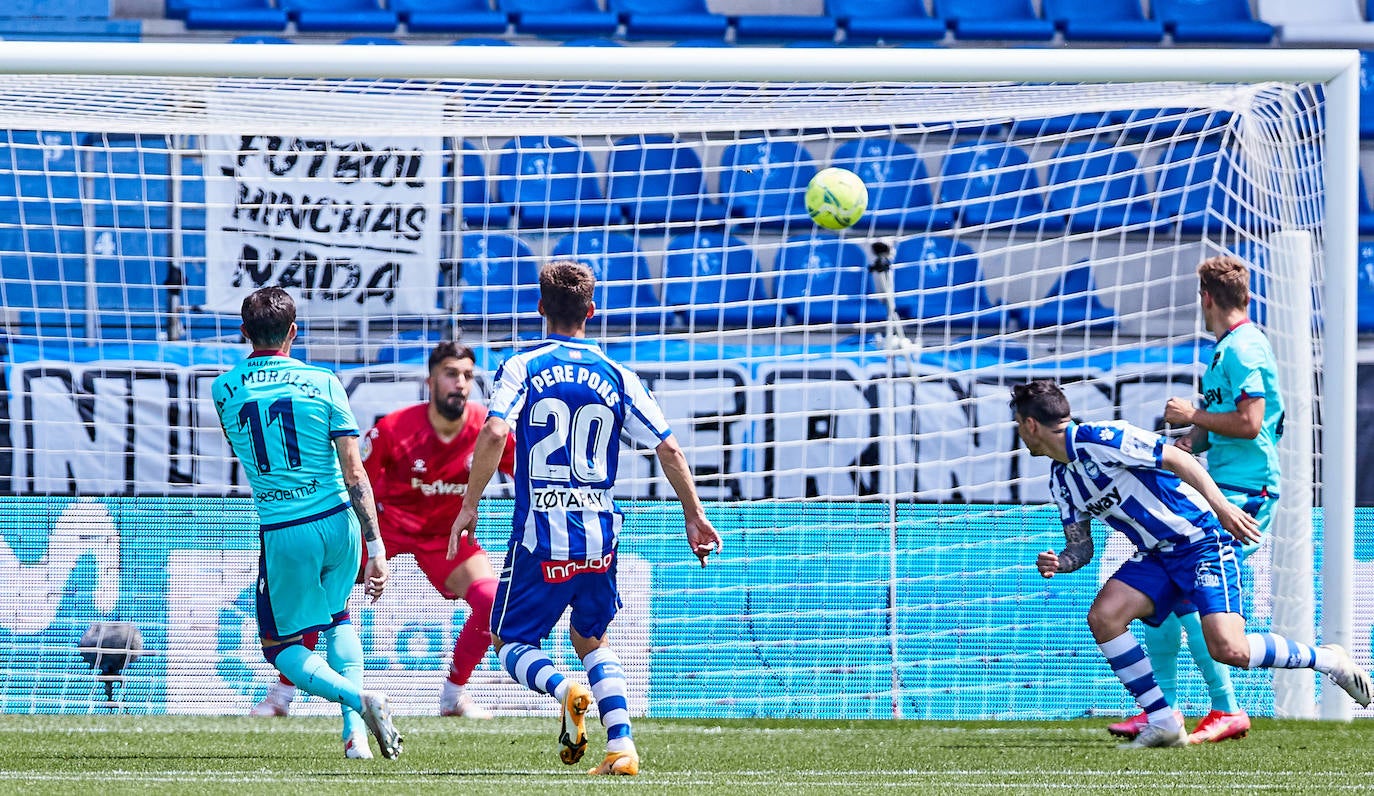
366 509
1078 548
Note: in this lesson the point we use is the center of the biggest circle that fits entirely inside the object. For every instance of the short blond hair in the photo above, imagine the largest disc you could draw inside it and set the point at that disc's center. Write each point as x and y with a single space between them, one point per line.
1227 280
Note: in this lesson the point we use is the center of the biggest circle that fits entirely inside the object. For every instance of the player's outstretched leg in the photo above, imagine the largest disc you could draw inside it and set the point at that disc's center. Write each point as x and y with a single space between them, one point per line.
607 679
1347 674
1270 651
282 693
530 667
345 656
1225 720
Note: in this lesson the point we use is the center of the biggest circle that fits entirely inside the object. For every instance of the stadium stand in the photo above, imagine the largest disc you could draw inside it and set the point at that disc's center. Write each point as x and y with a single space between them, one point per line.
937 276
479 209
899 195
131 181
1365 318
500 277
560 18
998 20
42 281
669 19
715 280
655 179
622 276
888 21
1097 186
1193 186
130 268
1212 21
38 178
1366 211
766 181
994 184
823 279
341 16
783 27
1071 303
449 16
1103 20
551 182
231 15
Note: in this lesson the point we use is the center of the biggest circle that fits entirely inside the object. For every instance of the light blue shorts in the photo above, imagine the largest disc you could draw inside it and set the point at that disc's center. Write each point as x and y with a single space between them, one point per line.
306 573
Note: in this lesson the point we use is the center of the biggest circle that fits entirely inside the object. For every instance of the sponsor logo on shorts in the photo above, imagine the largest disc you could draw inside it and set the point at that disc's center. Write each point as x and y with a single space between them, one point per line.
1204 577
563 571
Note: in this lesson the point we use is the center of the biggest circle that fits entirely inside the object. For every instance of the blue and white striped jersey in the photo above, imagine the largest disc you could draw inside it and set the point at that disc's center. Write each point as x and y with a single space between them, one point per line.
1115 473
568 404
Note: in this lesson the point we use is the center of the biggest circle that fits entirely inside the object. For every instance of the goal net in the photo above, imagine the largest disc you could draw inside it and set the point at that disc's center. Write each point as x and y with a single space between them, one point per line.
842 397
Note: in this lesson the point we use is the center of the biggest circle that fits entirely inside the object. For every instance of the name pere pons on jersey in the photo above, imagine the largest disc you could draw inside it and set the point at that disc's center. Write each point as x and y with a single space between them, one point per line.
576 374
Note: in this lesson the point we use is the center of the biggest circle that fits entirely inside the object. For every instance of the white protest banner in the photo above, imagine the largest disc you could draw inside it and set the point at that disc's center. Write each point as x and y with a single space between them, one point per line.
349 225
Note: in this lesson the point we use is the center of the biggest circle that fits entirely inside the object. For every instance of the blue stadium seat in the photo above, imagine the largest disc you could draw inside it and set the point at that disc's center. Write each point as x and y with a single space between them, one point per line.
1058 125
482 41
130 269
1227 21
1103 20
715 280
1071 303
552 182
1366 94
192 203
765 180
43 280
1159 123
500 277
656 179
560 17
1365 314
624 292
230 15
868 21
783 27
701 43
260 40
479 208
38 178
371 41
669 19
343 16
994 184
899 196
1099 187
450 16
823 279
590 41
1366 212
1007 20
937 281
131 183
1195 187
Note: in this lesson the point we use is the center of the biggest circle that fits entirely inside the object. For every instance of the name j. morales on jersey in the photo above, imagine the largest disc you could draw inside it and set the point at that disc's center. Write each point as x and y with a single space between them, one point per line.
432 488
576 374
1105 503
564 498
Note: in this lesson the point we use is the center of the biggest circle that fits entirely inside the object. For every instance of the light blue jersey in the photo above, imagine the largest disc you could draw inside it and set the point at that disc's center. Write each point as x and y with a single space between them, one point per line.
1115 473
569 404
1243 367
281 417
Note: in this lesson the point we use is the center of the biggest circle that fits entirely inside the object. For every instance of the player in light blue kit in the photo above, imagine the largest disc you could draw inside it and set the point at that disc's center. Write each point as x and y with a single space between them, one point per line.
294 434
1159 496
570 404
1239 424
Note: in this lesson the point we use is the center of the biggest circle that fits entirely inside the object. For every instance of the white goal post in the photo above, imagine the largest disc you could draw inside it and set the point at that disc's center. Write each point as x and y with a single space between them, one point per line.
215 92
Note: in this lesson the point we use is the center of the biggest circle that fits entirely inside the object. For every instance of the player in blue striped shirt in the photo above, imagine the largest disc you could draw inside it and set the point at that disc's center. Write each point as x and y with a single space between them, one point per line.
1186 534
1239 424
570 403
294 434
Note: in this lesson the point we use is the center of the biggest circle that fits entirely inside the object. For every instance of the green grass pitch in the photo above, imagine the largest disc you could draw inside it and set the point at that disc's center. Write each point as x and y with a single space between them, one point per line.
200 756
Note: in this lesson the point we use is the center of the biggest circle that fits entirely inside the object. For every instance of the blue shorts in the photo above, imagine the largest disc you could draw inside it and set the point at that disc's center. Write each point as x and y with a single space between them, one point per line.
1257 505
1203 577
306 574
533 593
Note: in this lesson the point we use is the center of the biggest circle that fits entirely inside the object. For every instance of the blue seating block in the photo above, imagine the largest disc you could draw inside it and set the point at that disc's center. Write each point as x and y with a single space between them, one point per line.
899 195
994 184
1365 316
1103 20
715 280
39 183
1195 188
43 280
552 182
668 19
1071 302
479 207
937 282
823 279
624 292
500 277
231 15
131 181
1227 21
1099 187
450 16
765 181
560 17
783 27
343 16
130 269
1366 94
867 21
655 179
1008 20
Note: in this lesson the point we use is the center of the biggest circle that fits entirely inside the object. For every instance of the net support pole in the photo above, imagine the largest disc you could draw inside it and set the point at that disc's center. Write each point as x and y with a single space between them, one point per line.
1338 366
1291 538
